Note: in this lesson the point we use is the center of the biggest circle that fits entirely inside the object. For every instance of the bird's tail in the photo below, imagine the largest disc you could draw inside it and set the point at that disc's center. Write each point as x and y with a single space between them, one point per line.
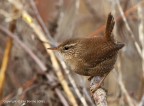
109 27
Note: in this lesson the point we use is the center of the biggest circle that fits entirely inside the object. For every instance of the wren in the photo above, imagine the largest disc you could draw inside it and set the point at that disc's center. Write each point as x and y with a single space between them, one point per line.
93 56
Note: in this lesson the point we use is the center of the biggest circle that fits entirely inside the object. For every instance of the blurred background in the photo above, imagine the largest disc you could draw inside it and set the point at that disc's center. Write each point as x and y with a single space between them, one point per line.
32 76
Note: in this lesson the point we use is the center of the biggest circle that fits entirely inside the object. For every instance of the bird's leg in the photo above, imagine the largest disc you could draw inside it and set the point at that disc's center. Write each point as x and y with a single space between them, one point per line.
98 85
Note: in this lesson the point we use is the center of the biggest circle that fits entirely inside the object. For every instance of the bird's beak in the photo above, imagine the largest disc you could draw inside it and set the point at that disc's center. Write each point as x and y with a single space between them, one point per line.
54 48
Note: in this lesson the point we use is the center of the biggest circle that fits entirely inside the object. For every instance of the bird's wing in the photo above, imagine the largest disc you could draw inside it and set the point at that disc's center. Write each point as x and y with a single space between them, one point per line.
99 53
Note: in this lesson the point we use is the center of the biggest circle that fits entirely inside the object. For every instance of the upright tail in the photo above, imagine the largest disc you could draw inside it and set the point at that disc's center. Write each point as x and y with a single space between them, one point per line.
109 27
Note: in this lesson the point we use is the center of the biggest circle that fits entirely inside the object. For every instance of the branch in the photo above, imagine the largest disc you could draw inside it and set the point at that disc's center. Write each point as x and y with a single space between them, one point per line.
4 65
99 95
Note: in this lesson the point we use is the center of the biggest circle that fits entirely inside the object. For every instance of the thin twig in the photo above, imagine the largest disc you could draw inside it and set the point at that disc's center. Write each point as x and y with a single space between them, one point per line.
91 9
85 91
54 83
61 97
33 5
4 65
26 48
141 102
128 28
141 39
67 22
73 84
130 10
25 87
122 86
2 101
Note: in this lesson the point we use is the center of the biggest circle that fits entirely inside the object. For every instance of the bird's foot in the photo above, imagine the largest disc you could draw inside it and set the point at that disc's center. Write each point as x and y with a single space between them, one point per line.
97 86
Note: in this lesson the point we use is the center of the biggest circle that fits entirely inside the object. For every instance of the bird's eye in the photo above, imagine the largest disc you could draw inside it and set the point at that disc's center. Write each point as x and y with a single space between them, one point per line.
66 48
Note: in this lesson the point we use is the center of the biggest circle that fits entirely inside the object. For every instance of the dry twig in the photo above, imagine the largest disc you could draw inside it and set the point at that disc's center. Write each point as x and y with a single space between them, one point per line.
99 95
27 49
122 86
4 65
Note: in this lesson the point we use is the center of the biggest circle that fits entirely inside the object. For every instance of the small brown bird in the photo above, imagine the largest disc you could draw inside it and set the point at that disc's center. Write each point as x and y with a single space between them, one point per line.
93 56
